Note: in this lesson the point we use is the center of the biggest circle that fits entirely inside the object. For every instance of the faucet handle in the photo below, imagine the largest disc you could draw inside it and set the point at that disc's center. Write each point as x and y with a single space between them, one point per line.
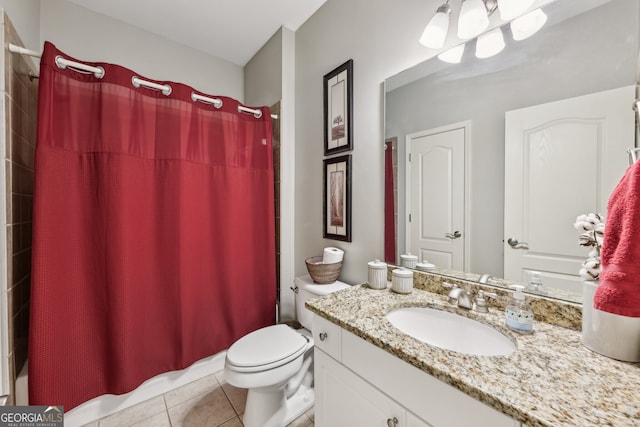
458 295
482 294
453 293
481 303
485 278
449 285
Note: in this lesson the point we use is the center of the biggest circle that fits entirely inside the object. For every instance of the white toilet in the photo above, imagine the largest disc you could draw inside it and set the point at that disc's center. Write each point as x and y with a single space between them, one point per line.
276 364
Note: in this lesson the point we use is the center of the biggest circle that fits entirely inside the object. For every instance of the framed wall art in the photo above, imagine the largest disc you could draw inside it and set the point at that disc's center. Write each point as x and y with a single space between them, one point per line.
337 198
338 109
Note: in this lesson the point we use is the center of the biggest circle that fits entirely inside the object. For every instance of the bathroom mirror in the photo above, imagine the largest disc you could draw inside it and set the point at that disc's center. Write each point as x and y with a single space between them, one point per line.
585 47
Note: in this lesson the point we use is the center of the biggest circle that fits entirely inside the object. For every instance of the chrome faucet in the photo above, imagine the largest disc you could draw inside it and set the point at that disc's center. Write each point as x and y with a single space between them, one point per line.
481 303
458 296
485 278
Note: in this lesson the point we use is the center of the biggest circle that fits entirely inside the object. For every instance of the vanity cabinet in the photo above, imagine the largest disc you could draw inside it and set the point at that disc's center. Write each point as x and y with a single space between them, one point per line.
345 399
359 384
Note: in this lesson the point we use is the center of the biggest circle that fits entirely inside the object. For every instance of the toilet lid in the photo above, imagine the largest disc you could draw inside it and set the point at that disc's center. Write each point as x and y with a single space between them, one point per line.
306 283
267 347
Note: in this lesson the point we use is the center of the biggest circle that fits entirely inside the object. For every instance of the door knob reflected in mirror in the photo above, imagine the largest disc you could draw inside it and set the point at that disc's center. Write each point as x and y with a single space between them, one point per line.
453 235
517 245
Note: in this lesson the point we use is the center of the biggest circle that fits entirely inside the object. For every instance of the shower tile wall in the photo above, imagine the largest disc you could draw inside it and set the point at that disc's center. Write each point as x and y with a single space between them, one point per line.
20 105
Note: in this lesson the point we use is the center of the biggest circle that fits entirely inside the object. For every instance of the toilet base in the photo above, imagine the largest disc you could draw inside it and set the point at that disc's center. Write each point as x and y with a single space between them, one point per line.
269 407
299 403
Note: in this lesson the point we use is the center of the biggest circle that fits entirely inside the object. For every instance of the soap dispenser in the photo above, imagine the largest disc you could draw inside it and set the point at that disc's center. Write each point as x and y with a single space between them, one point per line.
536 284
518 314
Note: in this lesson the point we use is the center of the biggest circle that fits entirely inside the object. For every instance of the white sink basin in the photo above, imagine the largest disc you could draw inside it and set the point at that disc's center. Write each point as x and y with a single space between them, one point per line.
451 331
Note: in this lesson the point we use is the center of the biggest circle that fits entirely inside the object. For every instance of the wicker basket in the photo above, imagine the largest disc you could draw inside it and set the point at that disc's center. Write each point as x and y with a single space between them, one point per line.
323 274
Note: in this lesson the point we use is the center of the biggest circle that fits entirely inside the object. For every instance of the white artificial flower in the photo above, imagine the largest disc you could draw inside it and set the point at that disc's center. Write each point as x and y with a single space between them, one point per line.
587 222
590 269
592 264
581 225
599 233
586 239
592 226
599 239
587 275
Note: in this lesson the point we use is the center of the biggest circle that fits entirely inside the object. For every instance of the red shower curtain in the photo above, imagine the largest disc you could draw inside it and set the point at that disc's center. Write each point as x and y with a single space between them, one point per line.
153 239
389 206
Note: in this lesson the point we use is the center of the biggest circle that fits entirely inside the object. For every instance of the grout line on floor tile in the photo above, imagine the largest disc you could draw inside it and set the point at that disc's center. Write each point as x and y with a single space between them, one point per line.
166 408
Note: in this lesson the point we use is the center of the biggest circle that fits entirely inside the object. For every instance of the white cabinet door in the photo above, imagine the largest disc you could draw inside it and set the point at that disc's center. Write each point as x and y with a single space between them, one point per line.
435 178
562 159
413 421
343 399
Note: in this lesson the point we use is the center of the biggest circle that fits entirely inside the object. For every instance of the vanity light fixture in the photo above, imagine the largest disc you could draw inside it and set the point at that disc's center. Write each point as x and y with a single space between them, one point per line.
510 9
527 25
436 30
453 55
489 44
473 19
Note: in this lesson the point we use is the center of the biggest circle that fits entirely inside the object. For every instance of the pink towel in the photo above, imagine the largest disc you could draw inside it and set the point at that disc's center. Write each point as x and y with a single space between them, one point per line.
619 290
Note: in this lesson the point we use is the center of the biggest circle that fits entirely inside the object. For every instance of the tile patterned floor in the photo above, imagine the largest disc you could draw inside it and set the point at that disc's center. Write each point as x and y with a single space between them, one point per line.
207 402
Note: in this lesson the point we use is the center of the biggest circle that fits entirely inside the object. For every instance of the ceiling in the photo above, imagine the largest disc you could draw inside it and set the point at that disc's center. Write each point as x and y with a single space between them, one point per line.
229 29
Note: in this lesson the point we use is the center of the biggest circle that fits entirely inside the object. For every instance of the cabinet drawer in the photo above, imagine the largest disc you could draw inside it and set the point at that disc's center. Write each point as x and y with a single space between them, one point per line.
343 399
326 336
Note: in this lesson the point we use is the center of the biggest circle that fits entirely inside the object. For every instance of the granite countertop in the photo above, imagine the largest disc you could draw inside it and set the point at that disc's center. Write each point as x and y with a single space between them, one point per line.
550 380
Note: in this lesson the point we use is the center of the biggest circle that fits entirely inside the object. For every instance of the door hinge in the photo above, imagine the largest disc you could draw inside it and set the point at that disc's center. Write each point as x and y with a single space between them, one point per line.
409 217
409 156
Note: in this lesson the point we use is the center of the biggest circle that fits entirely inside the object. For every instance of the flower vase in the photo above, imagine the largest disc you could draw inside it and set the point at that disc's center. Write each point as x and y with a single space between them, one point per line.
611 335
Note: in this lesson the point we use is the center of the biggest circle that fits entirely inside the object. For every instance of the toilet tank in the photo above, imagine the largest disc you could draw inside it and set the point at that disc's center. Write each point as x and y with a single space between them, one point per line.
307 290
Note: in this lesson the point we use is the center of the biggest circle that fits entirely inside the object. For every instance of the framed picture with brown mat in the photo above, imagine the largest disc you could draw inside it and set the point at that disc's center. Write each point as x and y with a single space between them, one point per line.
337 198
338 109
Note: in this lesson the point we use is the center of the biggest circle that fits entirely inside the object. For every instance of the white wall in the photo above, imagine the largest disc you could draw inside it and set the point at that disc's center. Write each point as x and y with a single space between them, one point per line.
382 39
25 17
263 74
287 174
269 77
90 36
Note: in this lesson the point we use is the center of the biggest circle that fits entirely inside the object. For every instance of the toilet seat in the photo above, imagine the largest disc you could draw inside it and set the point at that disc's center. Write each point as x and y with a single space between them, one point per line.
266 348
276 364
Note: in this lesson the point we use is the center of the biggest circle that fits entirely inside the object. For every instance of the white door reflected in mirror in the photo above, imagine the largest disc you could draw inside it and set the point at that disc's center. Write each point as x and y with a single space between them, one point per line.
435 178
561 158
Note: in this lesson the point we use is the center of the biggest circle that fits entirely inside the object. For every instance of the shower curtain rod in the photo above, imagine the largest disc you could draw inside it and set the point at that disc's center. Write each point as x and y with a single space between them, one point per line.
136 81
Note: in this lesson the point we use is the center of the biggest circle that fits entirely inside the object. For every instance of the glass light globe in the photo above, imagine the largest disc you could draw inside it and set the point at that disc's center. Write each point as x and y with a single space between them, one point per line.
436 30
510 9
473 19
453 55
527 25
489 44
